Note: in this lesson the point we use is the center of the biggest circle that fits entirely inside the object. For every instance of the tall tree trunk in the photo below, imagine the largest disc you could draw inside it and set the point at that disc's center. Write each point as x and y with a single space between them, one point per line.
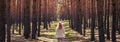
27 19
22 14
13 12
79 18
114 20
105 15
90 9
45 16
93 21
75 13
108 12
100 7
72 19
34 19
119 14
19 17
8 18
39 16
2 20
74 16
85 23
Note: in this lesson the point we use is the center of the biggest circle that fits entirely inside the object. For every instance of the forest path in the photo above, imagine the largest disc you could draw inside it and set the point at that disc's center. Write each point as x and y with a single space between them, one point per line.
46 35
20 38
49 35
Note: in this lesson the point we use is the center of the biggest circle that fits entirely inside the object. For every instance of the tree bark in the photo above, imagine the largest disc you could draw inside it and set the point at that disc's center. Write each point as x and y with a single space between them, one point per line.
100 20
114 21
93 21
79 18
108 12
8 18
39 16
27 19
119 14
34 19
45 25
2 20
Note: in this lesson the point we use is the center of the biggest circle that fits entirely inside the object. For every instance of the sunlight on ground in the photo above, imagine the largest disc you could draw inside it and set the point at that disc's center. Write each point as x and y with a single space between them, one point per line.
49 35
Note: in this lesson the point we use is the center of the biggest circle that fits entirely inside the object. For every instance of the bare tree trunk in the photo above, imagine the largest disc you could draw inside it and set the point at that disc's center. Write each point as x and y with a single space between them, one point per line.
39 16
2 20
119 14
114 21
108 12
27 19
19 17
100 20
13 12
93 21
8 18
34 20
104 16
79 18
45 25
74 16
72 19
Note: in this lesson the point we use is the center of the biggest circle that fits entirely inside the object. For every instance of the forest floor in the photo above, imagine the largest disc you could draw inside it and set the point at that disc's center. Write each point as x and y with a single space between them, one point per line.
48 35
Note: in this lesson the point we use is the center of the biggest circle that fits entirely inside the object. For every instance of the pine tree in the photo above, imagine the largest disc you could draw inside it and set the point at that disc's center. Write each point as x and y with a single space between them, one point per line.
39 16
8 18
2 20
34 19
93 21
114 21
100 20
78 17
27 19
108 12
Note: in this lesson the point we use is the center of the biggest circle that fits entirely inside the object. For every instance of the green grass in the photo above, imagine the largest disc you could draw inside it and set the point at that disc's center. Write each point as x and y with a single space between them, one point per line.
51 32
71 35
68 31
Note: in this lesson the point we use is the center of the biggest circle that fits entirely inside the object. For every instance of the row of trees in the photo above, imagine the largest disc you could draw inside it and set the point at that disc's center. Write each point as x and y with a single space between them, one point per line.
26 16
101 14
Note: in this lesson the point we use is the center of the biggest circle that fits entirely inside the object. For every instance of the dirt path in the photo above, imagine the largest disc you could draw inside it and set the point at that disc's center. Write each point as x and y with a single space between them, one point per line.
20 38
71 35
